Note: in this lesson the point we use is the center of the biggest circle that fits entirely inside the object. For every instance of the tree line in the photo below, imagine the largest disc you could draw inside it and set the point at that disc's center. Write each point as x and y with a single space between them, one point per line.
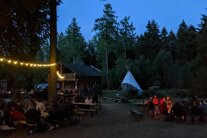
156 57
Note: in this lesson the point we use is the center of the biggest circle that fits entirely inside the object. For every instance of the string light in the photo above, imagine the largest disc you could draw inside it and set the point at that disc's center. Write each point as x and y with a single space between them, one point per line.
15 62
60 76
9 61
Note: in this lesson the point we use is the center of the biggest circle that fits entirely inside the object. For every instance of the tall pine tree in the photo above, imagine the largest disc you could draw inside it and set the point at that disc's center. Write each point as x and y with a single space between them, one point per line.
106 33
72 45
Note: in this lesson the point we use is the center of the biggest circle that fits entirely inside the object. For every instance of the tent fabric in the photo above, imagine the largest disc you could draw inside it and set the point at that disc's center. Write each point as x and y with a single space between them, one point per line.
129 79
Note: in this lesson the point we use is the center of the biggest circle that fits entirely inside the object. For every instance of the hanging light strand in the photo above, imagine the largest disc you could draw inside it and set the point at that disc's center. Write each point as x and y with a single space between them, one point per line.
16 62
59 75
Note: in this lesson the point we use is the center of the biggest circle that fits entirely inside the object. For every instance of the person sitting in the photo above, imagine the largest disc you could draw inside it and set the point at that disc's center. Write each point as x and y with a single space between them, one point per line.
203 110
15 112
88 100
5 120
40 106
179 111
79 99
32 116
163 107
195 111
151 107
95 98
16 115
58 111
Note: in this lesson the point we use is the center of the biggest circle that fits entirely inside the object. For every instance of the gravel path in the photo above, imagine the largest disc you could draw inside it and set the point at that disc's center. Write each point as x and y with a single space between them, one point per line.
115 121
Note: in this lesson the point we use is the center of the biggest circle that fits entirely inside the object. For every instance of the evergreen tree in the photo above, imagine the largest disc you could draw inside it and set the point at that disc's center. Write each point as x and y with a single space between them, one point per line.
185 51
142 68
44 52
106 33
162 68
127 36
164 38
181 48
90 54
199 67
150 42
191 44
24 26
72 45
172 44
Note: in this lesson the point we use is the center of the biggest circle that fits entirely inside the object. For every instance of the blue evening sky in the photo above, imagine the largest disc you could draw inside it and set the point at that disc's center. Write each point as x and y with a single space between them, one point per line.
168 13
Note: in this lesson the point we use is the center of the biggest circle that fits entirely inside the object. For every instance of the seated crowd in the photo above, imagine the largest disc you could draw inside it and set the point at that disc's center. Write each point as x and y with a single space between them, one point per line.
179 110
35 110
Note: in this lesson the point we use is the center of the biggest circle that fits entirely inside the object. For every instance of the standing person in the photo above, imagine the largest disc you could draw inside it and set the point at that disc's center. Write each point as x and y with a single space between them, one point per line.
169 104
2 110
194 111
163 107
151 107
156 103
155 100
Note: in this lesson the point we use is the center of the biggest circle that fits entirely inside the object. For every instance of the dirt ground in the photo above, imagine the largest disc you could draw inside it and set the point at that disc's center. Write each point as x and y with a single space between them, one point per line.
115 121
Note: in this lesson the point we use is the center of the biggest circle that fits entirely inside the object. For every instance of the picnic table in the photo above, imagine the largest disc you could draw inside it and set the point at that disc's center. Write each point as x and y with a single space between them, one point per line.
86 107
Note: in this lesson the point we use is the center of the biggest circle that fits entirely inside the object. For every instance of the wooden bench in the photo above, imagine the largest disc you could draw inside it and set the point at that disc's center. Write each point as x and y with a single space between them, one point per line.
137 114
77 115
88 110
86 107
6 128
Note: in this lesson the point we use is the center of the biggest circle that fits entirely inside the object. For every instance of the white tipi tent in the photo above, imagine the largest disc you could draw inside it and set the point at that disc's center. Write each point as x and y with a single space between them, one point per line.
129 80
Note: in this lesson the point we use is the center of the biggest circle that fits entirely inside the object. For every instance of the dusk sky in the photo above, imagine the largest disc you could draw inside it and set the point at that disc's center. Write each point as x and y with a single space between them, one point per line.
168 13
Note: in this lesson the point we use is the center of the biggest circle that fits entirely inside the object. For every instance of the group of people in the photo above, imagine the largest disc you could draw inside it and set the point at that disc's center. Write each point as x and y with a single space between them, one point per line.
93 98
157 106
193 108
179 110
35 111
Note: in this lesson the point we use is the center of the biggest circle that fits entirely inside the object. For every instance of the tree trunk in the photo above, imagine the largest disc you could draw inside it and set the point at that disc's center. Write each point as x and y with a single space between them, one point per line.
107 69
53 46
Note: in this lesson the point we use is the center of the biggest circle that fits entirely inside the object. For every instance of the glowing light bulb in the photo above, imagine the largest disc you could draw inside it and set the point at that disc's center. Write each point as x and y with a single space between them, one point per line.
9 61
15 62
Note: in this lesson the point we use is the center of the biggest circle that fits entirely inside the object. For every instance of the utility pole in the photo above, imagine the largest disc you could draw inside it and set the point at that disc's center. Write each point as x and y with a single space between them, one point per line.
53 45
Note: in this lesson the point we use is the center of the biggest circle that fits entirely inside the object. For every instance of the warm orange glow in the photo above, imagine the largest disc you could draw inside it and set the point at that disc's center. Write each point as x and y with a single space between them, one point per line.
59 75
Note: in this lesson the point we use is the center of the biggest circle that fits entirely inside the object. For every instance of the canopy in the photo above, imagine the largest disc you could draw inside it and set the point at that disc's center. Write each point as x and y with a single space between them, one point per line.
129 80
